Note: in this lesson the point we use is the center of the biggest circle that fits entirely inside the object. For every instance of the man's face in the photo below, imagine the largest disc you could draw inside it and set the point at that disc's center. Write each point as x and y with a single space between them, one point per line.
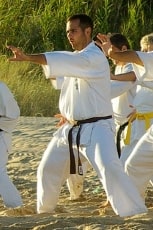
76 36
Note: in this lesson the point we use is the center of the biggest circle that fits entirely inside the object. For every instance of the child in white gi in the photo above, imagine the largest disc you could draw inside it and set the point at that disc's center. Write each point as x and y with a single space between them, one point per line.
9 113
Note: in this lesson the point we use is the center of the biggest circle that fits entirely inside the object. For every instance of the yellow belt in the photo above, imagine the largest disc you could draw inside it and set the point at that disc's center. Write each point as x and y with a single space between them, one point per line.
139 116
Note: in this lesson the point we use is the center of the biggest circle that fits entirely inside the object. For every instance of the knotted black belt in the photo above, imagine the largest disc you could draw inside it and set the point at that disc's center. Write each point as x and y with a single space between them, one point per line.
118 137
72 157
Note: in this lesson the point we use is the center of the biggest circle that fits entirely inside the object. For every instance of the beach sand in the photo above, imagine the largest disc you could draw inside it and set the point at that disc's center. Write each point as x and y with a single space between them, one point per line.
30 139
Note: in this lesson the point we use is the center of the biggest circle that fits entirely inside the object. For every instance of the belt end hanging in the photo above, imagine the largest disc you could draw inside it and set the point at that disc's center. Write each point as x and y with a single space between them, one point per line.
80 170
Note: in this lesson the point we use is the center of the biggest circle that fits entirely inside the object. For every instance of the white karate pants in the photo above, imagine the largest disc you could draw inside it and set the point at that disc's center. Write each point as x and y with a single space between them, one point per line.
75 182
101 153
127 150
139 165
8 191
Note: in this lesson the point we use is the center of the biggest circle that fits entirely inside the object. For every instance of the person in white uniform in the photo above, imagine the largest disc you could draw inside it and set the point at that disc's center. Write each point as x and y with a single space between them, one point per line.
139 165
85 102
122 94
143 104
142 119
9 113
146 44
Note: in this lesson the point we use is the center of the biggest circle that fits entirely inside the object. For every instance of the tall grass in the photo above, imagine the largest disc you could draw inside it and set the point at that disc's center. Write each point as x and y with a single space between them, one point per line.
39 25
35 94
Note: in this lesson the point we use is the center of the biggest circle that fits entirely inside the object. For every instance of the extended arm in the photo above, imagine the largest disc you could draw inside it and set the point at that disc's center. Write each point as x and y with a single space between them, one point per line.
21 56
125 56
122 56
130 76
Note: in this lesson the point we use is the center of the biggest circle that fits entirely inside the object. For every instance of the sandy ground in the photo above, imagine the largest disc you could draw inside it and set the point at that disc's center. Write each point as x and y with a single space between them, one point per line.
29 141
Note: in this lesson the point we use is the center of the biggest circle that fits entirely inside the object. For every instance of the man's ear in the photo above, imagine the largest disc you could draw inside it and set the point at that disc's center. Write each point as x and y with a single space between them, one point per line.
88 31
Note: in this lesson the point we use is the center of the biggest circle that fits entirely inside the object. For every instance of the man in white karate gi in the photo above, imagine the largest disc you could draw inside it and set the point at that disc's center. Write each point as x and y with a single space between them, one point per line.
139 165
122 94
89 132
9 113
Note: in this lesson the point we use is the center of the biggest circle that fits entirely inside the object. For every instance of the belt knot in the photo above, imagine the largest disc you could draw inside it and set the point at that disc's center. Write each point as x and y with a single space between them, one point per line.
79 123
139 116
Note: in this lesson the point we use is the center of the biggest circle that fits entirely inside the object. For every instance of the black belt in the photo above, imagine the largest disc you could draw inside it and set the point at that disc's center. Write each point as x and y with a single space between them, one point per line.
118 137
72 158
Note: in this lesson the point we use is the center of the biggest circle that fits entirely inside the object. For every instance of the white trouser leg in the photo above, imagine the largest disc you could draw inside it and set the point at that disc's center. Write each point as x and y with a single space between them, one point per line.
139 165
101 152
52 172
121 192
126 151
75 182
8 191
75 185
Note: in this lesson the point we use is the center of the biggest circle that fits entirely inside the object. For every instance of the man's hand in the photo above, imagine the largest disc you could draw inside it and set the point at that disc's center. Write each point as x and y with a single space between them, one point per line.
104 42
62 120
18 54
21 56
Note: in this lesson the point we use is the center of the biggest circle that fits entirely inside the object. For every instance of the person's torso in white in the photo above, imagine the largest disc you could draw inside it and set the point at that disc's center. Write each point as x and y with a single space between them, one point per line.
143 103
85 92
121 104
144 98
144 73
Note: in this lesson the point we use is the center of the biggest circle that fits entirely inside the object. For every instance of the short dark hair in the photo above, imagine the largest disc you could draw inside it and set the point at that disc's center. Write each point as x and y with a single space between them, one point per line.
119 40
85 21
